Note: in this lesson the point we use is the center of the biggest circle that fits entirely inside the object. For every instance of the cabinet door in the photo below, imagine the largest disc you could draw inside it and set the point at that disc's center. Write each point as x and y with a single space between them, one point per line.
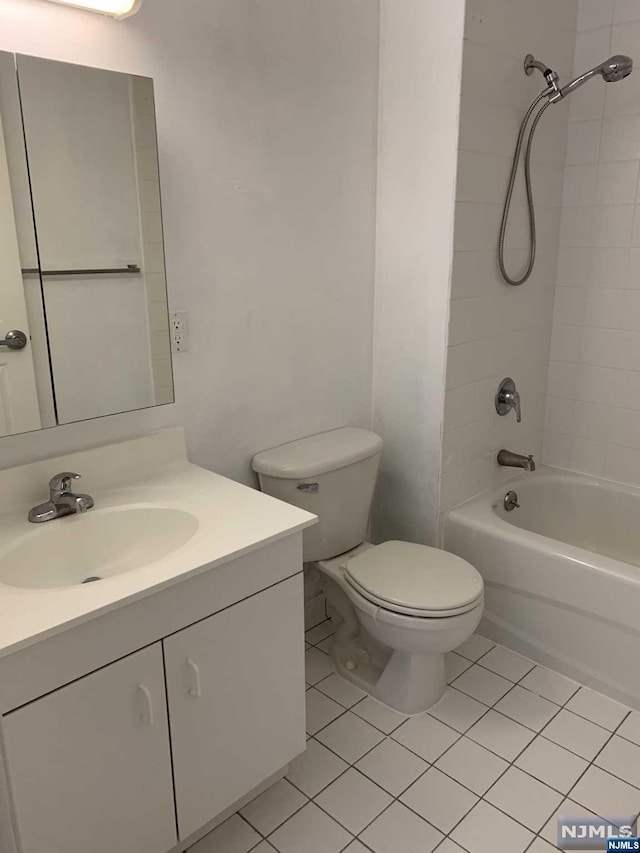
90 765
236 701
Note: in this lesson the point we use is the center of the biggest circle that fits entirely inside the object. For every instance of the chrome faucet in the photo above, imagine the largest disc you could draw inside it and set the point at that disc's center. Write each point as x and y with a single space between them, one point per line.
508 398
516 460
61 501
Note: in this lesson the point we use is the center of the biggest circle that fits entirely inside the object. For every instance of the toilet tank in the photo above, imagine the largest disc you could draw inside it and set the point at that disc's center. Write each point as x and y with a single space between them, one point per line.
332 475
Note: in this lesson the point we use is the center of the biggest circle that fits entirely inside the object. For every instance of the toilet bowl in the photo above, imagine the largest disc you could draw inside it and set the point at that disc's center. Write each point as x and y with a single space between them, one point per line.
397 655
398 606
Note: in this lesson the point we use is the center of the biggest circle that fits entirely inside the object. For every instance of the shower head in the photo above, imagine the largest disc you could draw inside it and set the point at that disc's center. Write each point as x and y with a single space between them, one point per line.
615 68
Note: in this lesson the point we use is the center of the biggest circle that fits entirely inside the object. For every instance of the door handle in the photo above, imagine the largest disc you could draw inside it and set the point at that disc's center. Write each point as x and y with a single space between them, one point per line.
194 691
147 718
15 340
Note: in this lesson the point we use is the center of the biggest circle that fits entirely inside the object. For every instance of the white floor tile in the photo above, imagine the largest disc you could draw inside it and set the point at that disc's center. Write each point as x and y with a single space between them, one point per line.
326 646
379 715
233 836
598 708
316 768
317 666
472 765
605 794
577 734
310 831
524 798
455 665
350 737
568 808
541 846
474 647
506 663
621 759
630 729
320 710
425 736
449 846
458 710
399 830
549 684
439 799
527 708
552 764
485 686
319 633
356 847
392 766
263 847
480 830
353 800
273 807
501 735
340 690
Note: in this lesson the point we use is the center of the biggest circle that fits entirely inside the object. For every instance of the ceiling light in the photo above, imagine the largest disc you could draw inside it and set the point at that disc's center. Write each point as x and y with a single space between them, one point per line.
114 8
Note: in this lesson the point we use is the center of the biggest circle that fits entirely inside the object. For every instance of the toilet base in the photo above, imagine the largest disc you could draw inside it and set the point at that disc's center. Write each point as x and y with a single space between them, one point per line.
408 683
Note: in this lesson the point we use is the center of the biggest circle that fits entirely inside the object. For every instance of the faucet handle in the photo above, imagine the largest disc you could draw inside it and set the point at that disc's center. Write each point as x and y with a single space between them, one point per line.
61 483
508 398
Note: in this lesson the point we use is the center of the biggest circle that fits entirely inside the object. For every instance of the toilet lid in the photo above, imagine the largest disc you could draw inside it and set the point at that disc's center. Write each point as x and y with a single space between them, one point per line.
415 579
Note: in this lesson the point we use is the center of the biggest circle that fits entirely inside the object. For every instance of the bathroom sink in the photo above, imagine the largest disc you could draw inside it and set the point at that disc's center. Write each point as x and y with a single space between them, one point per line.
95 546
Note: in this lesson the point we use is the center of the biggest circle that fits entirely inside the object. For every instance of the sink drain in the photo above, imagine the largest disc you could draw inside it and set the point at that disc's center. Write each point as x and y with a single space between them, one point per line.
92 579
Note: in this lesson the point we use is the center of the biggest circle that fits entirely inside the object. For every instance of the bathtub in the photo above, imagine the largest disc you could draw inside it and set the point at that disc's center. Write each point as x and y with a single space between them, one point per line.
562 574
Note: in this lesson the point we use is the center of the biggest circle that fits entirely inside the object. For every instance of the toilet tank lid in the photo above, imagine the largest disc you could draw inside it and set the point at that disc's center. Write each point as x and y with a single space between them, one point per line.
318 454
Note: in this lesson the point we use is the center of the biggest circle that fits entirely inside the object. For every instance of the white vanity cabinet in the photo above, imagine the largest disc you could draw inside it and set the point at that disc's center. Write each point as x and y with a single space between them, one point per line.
90 764
236 701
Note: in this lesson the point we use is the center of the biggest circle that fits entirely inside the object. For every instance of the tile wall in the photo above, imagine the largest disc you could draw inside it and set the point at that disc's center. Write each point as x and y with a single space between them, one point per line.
593 406
496 330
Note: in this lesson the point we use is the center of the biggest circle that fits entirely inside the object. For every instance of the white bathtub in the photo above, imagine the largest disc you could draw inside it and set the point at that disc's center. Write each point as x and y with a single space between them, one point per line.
562 574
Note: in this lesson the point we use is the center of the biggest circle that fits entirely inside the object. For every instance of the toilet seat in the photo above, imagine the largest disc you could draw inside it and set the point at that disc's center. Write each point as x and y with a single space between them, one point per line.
415 580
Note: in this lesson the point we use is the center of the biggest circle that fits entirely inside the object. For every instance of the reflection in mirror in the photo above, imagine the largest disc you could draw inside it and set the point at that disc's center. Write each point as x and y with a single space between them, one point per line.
91 148
26 399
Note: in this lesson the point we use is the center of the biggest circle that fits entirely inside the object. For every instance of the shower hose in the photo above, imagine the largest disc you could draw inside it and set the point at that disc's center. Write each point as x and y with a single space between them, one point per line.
530 204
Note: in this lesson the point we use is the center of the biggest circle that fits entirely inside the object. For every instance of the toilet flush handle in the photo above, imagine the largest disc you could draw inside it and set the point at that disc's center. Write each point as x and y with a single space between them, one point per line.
309 488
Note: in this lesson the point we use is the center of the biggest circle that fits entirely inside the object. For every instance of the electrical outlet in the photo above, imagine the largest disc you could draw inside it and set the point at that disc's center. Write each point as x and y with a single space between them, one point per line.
179 331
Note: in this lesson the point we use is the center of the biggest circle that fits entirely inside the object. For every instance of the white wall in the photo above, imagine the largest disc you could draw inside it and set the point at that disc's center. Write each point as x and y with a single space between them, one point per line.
420 62
593 408
267 115
497 330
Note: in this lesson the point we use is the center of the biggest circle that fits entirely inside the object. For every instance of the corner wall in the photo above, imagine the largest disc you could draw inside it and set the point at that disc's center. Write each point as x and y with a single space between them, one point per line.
593 407
420 66
497 330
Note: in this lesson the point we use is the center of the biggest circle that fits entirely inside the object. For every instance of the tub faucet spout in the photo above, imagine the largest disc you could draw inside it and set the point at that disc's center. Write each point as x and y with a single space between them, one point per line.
516 460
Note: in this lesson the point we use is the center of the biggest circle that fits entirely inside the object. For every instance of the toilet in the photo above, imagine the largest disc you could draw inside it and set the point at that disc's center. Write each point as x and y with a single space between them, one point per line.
398 606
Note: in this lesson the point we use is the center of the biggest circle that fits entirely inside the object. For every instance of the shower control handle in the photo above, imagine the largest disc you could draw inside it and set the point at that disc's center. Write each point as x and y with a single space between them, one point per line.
508 398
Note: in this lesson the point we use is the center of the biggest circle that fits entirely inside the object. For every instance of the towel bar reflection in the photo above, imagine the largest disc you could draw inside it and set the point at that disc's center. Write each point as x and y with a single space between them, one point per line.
130 269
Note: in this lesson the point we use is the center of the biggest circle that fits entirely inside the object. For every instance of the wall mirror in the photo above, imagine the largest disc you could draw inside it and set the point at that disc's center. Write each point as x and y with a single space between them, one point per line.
84 326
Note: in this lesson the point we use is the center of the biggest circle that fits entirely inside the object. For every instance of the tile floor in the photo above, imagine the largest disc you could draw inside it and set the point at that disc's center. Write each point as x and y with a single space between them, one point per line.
488 770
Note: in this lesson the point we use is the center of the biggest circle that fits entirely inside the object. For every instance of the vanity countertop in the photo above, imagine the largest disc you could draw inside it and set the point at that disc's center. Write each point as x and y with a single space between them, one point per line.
149 472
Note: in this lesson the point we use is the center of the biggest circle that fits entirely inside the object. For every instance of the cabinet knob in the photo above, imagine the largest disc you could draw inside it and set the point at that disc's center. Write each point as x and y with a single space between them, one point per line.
194 690
146 718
